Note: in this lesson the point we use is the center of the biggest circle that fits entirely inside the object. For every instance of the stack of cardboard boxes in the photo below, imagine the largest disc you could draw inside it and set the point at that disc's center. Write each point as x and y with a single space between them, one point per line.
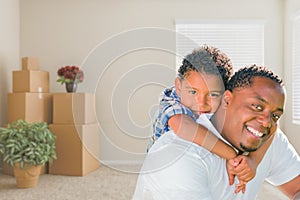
77 134
71 117
30 99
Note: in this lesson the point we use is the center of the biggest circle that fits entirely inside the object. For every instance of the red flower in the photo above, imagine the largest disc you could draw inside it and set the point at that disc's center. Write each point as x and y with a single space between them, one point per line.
70 74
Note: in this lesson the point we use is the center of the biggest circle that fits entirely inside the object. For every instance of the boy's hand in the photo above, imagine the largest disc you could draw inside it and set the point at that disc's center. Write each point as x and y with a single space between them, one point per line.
231 171
230 165
240 187
243 168
231 168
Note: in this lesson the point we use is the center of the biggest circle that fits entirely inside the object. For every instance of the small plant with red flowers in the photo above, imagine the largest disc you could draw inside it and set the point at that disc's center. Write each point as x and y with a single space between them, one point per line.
70 74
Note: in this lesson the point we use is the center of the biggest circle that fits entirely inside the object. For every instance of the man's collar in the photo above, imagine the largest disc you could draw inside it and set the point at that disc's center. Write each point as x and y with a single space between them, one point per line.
243 153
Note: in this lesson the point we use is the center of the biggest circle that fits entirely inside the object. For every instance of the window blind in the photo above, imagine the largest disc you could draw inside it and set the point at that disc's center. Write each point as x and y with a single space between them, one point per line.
296 71
242 41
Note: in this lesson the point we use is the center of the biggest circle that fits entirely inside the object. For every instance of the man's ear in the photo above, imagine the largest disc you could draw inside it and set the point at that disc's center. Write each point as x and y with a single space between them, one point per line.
178 86
227 97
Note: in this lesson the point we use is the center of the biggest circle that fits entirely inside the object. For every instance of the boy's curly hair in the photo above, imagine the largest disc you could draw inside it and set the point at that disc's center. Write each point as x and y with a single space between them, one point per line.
244 76
209 60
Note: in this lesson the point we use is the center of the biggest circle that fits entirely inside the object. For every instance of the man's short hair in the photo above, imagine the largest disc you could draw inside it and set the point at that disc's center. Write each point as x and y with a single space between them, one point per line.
244 76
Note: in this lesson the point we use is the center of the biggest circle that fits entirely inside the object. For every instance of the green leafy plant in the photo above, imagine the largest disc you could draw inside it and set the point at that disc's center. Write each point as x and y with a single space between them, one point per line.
23 142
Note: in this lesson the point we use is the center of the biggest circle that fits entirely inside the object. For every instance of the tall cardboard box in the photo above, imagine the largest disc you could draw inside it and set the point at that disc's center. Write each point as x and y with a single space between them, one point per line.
30 81
30 100
1 161
77 149
74 108
31 107
30 63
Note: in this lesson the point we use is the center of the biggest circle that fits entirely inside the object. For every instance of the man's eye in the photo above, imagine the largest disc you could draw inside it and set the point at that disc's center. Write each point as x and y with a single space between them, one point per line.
258 107
276 117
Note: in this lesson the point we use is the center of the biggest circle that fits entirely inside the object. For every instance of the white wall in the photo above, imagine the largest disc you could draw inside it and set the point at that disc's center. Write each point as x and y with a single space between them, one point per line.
9 50
62 32
292 130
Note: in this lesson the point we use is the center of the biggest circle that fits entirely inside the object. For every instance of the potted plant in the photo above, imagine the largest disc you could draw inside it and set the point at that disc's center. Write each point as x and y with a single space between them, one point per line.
26 146
70 76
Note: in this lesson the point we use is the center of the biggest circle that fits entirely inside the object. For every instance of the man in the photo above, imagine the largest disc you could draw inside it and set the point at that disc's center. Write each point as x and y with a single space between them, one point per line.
247 117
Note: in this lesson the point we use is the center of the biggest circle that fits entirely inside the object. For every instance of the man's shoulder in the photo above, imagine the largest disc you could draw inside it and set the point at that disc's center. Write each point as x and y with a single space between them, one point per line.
281 146
280 136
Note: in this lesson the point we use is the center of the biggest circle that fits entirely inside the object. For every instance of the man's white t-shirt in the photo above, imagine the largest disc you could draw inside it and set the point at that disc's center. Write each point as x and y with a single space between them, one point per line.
177 169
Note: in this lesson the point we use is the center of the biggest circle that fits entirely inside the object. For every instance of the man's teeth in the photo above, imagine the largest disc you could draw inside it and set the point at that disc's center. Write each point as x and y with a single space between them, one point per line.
255 132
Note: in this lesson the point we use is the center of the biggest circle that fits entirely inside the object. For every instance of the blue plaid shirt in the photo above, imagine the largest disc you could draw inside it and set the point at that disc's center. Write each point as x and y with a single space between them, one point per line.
169 105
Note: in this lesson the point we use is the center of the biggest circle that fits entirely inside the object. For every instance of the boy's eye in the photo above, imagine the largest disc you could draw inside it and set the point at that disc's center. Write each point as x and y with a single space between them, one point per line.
193 92
214 94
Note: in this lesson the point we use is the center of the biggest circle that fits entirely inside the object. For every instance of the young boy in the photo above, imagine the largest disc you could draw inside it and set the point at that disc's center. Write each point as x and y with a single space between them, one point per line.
200 84
205 60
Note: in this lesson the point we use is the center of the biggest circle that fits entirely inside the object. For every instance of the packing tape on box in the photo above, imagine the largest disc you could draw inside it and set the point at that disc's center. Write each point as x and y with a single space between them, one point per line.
40 89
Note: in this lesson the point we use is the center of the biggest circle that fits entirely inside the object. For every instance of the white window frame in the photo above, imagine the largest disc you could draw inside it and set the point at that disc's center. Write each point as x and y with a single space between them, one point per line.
296 71
241 40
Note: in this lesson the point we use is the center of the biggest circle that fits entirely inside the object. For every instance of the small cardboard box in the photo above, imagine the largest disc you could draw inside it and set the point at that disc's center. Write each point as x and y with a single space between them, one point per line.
30 63
77 149
74 108
30 81
31 107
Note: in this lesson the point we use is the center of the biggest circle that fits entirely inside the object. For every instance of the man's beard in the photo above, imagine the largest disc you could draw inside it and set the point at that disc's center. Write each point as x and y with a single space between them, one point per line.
247 149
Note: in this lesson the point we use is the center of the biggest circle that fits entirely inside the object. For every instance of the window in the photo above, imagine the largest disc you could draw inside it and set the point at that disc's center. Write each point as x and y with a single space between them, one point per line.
242 41
296 71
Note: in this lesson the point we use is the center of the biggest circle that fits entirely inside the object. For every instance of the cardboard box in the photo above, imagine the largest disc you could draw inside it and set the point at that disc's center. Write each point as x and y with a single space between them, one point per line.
30 81
9 170
31 107
1 160
30 63
77 149
74 108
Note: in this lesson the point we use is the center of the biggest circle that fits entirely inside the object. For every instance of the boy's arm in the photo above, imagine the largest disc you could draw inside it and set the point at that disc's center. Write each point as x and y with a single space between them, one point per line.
186 128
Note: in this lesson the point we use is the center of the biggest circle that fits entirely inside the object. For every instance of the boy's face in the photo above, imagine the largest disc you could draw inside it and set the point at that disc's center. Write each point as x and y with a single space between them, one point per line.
200 92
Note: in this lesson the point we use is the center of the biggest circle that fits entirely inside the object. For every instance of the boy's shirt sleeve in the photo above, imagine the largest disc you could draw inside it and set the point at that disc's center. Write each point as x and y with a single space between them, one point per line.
169 105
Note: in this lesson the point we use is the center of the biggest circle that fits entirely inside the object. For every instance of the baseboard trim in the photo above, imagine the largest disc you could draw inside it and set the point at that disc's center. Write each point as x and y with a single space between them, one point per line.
121 162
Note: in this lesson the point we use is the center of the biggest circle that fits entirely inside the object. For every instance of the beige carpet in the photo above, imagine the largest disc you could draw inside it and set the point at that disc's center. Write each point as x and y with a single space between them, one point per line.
102 184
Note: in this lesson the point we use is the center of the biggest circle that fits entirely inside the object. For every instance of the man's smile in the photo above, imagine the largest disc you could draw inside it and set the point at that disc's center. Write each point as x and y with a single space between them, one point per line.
255 132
